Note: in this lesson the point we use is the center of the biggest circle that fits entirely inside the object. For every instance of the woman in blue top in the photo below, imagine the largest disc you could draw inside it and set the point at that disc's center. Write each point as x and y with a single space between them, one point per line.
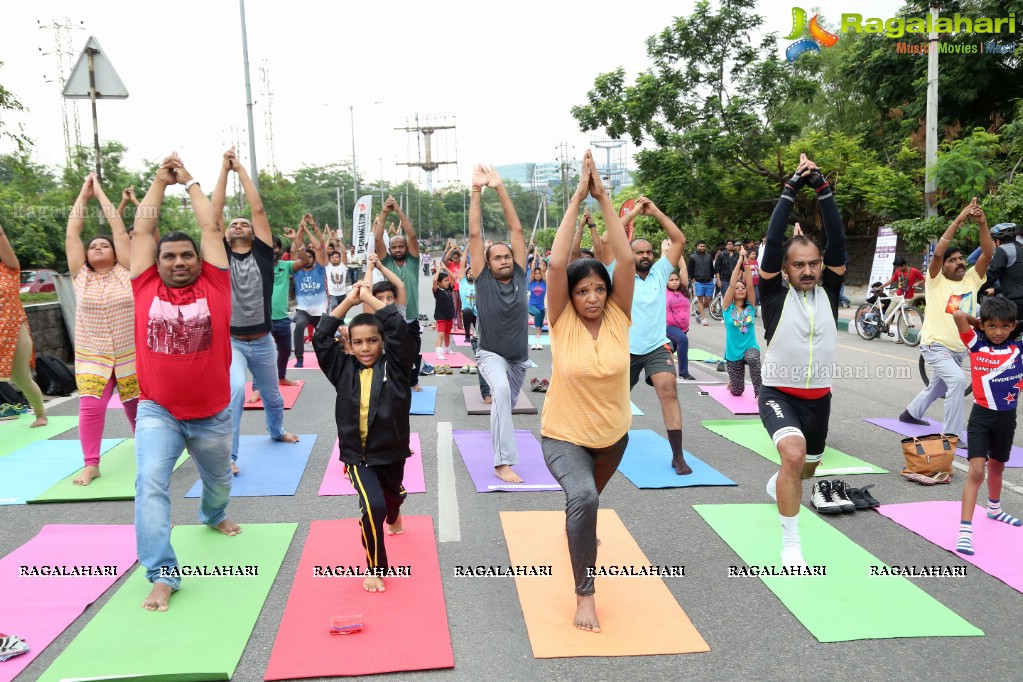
537 298
740 310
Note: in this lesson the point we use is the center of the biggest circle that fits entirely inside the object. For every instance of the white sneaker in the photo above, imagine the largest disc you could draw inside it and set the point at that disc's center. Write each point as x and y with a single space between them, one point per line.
705 322
823 500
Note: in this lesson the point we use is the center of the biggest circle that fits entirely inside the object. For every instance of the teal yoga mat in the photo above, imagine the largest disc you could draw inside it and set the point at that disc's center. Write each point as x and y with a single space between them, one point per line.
33 469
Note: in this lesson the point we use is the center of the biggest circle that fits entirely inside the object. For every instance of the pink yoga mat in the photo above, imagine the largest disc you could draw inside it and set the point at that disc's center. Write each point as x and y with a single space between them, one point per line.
335 483
460 341
38 608
115 402
743 404
907 430
309 361
998 546
453 359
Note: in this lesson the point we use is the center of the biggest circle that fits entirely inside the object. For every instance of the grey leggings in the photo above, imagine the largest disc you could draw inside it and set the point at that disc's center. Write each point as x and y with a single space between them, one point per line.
737 372
582 473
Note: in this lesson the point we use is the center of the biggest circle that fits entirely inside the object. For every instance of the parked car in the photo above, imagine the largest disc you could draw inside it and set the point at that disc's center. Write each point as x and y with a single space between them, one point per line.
37 281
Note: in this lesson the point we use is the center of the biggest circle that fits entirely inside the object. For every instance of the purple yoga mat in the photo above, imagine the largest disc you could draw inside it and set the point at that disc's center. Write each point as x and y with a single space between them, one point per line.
743 404
335 483
998 546
907 430
38 608
478 455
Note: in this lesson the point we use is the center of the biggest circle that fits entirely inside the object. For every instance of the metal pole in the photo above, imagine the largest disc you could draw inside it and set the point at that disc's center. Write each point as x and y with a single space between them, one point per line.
95 122
931 147
381 181
355 172
248 99
340 225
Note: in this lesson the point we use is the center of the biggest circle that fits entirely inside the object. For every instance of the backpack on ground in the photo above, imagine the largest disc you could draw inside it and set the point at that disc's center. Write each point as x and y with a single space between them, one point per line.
10 395
54 377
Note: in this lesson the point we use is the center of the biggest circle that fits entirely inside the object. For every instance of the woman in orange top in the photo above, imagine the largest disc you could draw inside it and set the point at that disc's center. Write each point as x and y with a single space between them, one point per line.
15 339
586 416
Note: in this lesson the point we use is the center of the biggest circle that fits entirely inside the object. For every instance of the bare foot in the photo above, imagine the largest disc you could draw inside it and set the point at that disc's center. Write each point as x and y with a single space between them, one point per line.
289 438
488 400
286 382
158 598
85 478
680 466
228 527
396 528
234 468
507 474
254 398
40 421
373 583
586 614
417 388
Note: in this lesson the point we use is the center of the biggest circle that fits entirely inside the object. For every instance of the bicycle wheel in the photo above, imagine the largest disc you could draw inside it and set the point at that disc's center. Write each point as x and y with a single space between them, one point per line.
910 324
867 327
927 381
715 308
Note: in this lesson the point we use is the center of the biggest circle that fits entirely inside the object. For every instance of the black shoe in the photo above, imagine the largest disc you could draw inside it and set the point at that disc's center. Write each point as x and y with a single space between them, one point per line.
857 498
721 367
688 377
840 494
910 419
871 501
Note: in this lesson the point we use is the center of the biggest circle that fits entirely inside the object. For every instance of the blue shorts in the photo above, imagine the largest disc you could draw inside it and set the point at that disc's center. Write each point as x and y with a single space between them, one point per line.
704 289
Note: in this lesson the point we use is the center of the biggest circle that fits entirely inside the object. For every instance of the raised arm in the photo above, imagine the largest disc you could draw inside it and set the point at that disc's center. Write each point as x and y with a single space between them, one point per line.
75 221
314 240
558 295
938 259
987 244
127 195
143 246
401 298
119 235
260 223
834 255
747 276
729 296
511 217
476 250
410 232
219 197
683 273
379 243
211 241
770 265
624 278
7 256
678 240
577 238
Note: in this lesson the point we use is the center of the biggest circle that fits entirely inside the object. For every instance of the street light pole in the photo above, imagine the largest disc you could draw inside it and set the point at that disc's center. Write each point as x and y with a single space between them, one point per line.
248 99
355 172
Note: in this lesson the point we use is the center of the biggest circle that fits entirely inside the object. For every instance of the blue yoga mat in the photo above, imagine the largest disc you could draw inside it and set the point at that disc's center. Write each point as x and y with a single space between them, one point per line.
425 401
647 463
267 467
33 469
636 412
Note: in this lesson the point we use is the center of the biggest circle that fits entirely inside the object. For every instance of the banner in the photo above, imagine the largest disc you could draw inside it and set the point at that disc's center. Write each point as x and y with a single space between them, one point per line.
884 255
360 225
626 207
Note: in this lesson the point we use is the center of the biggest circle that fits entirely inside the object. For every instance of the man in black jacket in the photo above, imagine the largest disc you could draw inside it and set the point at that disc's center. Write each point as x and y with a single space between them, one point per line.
701 269
1007 265
374 397
725 265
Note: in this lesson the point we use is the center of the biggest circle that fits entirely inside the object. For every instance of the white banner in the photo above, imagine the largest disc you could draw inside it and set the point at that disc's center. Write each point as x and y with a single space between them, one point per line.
884 254
360 225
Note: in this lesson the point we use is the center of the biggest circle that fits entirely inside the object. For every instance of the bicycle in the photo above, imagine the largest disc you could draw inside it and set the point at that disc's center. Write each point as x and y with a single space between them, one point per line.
716 311
870 319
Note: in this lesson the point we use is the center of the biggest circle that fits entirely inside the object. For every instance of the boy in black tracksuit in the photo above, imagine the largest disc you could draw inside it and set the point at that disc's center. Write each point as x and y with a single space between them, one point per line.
374 395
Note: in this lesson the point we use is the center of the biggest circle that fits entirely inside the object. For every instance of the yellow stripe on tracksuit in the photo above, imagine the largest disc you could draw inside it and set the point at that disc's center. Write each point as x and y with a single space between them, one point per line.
371 558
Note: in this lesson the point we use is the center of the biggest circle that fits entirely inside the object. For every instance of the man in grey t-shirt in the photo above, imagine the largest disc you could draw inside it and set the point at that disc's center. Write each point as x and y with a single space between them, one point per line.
502 302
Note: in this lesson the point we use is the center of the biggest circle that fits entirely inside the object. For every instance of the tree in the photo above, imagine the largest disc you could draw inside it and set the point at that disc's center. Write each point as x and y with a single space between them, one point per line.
8 102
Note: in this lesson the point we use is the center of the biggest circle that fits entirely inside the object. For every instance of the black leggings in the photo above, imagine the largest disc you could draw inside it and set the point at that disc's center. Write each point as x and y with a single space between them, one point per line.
282 337
737 372
468 320
303 320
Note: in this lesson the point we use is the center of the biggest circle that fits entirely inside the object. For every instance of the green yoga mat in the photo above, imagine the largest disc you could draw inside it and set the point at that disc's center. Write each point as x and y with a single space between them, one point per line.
203 633
117 482
858 605
16 434
750 433
700 355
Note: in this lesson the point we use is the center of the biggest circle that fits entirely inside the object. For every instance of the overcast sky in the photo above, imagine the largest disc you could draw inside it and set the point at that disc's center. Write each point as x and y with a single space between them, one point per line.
508 73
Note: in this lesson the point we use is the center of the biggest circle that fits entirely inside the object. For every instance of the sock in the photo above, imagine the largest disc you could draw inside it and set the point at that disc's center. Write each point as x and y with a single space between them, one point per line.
772 487
994 511
964 543
791 552
440 351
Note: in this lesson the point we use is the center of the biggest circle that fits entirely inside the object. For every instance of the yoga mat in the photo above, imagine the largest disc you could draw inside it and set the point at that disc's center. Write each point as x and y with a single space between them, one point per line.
405 627
638 616
289 393
203 633
862 606
456 359
636 412
33 469
474 402
118 467
309 361
698 355
38 608
544 340
907 430
743 404
460 341
750 434
16 433
478 455
705 375
267 467
425 401
335 483
647 463
999 551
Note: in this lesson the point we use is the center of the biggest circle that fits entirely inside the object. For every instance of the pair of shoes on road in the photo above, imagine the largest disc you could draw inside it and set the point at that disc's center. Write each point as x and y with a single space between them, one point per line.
838 497
536 346
443 369
539 385
682 378
12 410
427 370
468 369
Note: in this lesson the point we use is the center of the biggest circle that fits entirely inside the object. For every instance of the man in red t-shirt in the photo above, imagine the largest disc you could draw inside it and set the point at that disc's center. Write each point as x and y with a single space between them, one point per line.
182 332
905 279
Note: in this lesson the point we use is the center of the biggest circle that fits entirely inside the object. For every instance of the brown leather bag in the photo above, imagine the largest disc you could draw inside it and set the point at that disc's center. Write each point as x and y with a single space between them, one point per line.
930 455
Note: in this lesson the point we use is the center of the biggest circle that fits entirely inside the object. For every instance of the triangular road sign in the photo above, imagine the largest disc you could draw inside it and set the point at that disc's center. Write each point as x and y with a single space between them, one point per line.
108 83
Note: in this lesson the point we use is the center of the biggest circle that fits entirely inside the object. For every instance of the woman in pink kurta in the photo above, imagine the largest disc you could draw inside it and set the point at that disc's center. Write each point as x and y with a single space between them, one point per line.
104 318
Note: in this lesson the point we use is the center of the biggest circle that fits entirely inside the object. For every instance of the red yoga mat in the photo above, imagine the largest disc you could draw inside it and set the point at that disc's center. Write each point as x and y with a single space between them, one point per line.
405 628
335 483
289 393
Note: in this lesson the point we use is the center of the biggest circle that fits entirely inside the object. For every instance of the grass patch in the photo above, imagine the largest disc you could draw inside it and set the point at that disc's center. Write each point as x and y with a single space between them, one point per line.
46 297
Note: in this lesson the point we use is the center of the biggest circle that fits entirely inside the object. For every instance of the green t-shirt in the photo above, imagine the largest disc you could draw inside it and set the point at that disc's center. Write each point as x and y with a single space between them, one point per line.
409 275
279 300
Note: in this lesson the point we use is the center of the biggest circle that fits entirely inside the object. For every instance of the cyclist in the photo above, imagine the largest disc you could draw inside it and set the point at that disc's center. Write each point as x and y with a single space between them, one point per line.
1007 265
905 280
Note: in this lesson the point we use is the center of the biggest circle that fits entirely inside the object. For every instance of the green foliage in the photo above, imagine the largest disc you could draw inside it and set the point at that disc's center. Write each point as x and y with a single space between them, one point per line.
46 297
917 233
9 102
545 238
964 169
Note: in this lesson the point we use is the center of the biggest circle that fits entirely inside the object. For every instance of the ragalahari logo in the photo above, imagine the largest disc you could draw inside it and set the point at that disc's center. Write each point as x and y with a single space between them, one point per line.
818 36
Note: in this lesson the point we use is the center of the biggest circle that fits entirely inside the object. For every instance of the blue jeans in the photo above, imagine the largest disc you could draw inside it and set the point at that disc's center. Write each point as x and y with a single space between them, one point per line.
159 440
680 343
260 356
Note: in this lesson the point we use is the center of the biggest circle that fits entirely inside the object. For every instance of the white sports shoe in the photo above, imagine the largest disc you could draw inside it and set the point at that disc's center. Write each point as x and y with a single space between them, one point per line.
823 500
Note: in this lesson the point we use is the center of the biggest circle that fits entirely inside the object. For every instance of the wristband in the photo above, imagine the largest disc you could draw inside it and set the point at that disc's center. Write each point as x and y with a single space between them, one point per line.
816 180
188 185
796 182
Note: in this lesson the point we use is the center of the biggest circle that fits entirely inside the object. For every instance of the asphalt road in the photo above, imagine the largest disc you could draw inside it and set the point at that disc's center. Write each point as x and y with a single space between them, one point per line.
750 633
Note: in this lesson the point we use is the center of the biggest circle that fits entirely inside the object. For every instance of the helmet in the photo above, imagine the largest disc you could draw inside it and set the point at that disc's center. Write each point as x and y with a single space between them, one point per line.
1005 231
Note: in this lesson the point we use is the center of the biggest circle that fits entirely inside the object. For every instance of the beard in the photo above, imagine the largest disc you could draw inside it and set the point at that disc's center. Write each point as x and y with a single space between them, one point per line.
644 267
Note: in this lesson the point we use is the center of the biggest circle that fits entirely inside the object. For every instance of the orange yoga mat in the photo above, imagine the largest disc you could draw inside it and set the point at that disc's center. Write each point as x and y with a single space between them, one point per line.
638 615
